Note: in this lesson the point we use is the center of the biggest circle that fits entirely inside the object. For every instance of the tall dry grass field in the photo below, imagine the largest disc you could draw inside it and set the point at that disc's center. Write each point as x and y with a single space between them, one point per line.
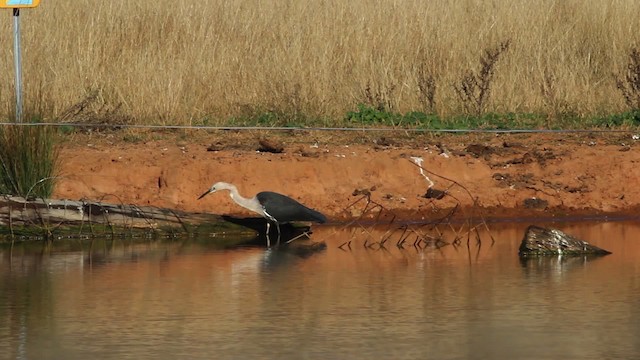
181 62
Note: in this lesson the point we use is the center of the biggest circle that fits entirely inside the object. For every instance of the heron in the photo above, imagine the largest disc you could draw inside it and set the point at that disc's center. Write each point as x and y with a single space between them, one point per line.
274 207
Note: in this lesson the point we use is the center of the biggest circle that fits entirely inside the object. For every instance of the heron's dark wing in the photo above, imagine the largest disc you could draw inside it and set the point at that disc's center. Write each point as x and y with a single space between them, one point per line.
285 209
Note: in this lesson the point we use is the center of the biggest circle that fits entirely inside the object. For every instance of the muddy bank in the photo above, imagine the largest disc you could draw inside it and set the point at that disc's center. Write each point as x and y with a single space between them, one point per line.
489 175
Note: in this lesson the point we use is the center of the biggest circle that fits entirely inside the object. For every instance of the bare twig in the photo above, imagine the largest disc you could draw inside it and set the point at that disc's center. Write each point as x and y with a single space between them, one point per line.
629 85
474 87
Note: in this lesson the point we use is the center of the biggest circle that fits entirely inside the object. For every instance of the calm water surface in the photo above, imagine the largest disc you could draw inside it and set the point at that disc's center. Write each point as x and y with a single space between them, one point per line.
182 300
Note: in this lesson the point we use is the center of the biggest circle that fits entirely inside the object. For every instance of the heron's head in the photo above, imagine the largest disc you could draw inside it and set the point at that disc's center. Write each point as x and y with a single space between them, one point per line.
215 187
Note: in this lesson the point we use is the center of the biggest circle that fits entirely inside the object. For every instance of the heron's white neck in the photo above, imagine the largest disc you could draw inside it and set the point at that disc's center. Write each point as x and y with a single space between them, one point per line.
247 203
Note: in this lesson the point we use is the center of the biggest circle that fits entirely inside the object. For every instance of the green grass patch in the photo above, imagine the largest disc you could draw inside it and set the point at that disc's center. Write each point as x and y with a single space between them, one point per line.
627 119
367 116
275 118
28 159
370 116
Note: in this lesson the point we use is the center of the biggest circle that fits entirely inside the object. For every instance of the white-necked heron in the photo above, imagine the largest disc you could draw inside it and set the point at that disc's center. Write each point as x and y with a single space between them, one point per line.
274 207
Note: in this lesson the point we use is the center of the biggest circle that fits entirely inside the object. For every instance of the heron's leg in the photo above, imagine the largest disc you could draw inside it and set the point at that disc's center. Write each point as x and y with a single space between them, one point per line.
267 234
278 227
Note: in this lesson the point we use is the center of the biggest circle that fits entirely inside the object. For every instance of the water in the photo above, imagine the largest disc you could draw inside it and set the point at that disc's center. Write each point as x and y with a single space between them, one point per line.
182 300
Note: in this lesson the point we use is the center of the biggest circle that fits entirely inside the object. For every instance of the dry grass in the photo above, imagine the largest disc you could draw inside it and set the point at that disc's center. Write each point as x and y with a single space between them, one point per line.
188 61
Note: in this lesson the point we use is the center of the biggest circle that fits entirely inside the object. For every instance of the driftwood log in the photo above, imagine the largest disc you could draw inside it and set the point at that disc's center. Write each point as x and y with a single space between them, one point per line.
18 211
38 218
539 241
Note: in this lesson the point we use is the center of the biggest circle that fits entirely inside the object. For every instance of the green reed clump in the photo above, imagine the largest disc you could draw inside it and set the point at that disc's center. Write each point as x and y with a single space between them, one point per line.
28 159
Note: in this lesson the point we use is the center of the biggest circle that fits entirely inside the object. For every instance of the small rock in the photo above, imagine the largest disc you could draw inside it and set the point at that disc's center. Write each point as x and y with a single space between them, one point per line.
458 153
313 154
535 203
383 141
478 150
271 146
364 191
434 194
511 144
217 146
308 153
539 241
499 176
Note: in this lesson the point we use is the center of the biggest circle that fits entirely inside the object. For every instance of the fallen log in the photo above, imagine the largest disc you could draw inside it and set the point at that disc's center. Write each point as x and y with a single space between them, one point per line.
49 218
68 218
539 241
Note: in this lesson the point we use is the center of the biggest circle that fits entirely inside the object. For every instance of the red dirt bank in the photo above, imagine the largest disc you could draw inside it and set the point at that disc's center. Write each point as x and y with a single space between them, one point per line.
584 174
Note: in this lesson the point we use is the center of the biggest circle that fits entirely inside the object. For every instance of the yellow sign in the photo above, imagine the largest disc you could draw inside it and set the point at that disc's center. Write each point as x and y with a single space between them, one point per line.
13 4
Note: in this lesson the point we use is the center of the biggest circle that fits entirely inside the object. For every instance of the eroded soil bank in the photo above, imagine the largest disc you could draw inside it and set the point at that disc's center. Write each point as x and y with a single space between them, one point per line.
540 175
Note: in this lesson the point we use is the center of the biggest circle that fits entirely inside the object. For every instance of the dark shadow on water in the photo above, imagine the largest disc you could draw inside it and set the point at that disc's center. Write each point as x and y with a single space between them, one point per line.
301 246
259 224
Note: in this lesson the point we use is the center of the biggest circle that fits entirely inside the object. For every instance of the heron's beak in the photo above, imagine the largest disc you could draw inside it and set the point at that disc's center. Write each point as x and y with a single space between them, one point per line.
205 194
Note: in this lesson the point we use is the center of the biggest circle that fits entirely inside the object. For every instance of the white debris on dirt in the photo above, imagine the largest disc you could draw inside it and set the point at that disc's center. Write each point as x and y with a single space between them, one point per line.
418 160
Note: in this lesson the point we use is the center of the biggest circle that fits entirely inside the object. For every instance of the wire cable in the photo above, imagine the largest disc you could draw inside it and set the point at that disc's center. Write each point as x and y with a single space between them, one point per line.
300 128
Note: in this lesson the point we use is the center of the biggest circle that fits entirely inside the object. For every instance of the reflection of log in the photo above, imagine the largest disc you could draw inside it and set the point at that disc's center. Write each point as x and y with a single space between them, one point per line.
539 241
554 265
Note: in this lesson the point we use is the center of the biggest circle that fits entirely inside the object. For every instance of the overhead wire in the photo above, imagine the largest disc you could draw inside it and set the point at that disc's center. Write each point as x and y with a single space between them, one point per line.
302 128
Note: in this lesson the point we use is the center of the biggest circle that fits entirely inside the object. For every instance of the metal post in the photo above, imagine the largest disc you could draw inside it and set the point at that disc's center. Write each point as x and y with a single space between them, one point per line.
18 62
